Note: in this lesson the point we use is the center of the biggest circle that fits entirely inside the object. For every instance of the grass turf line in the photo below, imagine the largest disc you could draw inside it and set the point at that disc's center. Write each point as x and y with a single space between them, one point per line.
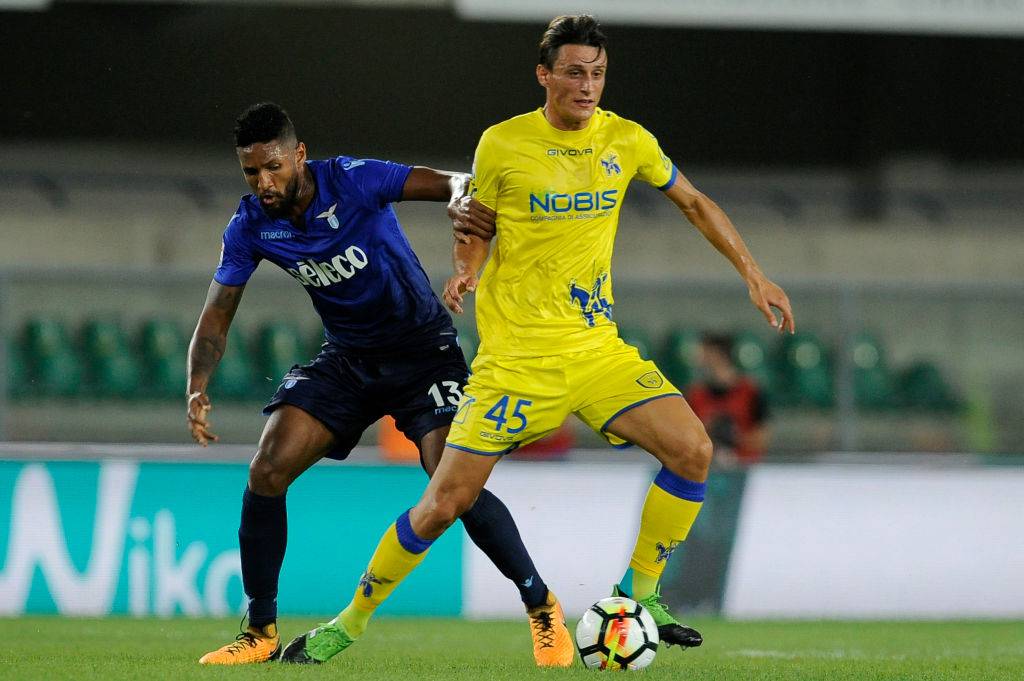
393 648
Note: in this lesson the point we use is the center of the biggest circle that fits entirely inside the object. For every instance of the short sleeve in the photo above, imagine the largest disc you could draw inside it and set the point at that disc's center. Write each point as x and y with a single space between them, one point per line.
653 166
380 182
237 259
486 172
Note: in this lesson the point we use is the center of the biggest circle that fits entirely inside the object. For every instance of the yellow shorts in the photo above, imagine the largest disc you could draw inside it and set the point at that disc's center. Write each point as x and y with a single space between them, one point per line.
512 401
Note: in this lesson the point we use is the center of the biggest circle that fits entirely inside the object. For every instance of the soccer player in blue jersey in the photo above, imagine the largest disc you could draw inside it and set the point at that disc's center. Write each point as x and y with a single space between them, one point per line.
390 346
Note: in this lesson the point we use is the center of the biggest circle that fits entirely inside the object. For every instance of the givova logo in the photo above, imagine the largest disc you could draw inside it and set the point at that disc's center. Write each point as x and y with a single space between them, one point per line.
53 564
339 268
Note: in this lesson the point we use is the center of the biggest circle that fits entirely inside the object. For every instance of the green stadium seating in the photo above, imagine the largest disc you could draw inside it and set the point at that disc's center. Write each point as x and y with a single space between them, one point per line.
54 370
17 370
873 384
752 358
111 368
679 357
639 339
922 386
162 349
804 371
234 376
279 347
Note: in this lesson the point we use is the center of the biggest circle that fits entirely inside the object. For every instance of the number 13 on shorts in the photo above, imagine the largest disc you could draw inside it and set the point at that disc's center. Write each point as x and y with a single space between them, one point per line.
512 423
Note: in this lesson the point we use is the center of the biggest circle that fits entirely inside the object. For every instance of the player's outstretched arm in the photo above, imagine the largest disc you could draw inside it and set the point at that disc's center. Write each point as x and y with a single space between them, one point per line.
467 259
717 228
469 216
204 353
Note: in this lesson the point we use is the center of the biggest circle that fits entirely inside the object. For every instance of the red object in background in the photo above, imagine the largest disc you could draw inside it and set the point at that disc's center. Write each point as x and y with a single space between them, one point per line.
730 415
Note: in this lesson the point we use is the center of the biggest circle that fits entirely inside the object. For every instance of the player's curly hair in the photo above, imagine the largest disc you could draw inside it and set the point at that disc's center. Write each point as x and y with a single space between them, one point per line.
578 29
263 122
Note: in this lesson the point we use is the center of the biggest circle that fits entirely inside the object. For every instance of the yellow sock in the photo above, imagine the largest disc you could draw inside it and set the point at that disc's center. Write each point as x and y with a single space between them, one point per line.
397 554
670 509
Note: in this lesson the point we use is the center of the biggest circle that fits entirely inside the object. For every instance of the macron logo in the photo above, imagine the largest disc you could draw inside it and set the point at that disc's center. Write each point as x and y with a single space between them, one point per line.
276 234
340 267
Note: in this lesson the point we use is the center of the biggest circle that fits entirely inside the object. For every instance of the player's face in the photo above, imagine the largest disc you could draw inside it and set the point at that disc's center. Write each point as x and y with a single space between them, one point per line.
574 85
272 170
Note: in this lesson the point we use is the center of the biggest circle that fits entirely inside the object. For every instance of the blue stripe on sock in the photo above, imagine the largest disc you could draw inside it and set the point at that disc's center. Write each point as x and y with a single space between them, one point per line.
408 538
680 487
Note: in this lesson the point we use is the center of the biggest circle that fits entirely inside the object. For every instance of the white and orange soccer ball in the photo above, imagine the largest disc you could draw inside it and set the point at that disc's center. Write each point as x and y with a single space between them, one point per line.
617 633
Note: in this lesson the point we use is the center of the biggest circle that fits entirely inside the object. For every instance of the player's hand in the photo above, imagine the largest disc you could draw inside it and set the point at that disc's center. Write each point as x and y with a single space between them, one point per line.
198 409
767 295
469 216
454 289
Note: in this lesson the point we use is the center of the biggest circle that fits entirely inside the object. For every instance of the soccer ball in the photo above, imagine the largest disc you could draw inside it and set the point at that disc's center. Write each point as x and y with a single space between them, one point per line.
617 633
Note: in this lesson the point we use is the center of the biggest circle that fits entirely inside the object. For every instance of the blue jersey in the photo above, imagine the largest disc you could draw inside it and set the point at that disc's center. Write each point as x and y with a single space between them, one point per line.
349 253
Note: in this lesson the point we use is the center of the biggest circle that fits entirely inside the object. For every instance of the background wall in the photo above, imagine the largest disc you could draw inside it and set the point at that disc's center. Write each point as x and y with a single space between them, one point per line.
385 81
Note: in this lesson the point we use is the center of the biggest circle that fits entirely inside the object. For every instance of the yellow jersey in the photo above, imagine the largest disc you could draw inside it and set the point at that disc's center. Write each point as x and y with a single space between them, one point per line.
547 288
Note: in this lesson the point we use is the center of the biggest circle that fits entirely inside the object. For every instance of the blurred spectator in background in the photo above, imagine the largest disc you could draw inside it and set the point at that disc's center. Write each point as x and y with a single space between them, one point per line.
731 405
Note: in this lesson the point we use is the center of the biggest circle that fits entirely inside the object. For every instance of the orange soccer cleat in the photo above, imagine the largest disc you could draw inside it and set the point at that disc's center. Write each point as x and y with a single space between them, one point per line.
252 646
552 644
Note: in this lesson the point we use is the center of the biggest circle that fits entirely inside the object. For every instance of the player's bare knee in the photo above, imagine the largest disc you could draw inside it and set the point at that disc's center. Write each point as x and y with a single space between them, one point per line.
266 478
702 451
438 514
689 454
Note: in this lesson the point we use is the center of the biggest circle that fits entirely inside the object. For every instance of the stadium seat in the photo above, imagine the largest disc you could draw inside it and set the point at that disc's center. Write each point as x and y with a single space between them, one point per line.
679 357
469 343
233 379
922 386
54 370
111 368
162 349
873 385
804 371
17 371
279 347
639 339
752 358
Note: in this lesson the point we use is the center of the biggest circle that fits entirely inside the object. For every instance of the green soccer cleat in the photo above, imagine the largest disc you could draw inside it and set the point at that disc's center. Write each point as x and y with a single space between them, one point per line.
670 631
319 645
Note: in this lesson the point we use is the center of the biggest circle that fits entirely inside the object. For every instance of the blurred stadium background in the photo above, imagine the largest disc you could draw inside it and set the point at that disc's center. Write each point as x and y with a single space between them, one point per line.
870 153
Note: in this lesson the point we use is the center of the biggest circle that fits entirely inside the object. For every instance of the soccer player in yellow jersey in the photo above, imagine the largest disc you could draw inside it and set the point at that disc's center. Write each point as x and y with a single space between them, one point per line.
548 346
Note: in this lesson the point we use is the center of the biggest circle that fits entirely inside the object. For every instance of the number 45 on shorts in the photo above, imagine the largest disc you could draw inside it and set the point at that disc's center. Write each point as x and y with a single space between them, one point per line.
511 423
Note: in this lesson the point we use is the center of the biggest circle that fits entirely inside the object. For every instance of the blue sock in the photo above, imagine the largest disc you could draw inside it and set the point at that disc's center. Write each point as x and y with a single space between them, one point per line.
491 527
262 537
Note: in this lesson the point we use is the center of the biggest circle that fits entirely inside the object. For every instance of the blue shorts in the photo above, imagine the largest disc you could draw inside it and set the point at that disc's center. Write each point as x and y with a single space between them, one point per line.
421 389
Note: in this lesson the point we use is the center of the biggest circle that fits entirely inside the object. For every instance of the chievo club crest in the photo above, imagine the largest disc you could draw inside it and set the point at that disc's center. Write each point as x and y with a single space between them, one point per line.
611 165
366 583
329 215
592 302
663 552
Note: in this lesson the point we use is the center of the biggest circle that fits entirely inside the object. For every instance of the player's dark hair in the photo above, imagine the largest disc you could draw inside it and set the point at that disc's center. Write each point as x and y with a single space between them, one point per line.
719 341
579 29
262 123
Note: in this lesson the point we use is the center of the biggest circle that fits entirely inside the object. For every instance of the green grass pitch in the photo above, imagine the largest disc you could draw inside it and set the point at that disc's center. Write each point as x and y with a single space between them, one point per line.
115 649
